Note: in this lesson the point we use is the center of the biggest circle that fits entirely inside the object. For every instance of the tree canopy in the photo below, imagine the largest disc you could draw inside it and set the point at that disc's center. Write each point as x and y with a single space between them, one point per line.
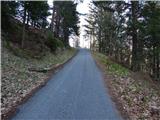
34 14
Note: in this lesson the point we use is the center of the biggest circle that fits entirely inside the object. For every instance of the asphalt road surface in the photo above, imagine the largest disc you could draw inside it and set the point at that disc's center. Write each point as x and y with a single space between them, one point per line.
76 92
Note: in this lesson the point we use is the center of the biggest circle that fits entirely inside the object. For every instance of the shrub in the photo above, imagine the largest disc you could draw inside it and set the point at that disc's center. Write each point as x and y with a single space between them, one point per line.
53 43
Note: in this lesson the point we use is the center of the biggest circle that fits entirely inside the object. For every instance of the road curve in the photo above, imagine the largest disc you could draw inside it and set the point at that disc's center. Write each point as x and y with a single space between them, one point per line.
76 92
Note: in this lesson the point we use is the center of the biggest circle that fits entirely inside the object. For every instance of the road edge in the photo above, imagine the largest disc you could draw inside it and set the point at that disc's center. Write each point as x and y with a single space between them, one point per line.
118 105
13 109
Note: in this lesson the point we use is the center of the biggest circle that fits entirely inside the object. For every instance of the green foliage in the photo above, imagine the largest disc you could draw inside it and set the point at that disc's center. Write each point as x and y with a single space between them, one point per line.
37 12
53 43
8 10
150 28
131 37
33 14
69 19
70 15
111 66
59 43
117 69
151 13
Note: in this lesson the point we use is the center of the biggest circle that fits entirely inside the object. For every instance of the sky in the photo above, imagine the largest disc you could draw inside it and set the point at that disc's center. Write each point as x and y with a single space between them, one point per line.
84 9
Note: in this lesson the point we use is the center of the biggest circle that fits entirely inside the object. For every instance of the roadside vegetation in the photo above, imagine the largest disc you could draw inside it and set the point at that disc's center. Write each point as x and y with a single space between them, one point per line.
21 75
126 35
112 67
136 95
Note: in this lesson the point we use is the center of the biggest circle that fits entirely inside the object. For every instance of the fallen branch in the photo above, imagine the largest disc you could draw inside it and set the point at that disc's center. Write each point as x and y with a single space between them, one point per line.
44 70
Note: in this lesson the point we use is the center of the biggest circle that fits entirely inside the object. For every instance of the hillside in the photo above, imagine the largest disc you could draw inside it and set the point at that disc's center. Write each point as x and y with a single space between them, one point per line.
24 69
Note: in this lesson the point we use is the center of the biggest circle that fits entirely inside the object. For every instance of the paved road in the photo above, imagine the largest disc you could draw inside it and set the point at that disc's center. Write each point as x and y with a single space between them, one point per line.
76 92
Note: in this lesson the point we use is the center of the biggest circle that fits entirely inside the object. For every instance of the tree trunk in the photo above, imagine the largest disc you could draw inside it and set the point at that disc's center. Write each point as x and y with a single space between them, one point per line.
24 20
158 64
66 35
53 14
154 62
56 34
28 19
135 66
99 40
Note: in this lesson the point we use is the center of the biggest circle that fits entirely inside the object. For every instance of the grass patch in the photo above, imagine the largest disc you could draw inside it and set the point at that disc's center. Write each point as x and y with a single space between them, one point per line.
111 66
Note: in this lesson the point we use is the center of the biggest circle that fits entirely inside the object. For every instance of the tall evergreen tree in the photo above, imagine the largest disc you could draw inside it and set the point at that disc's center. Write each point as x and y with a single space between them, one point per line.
128 32
64 20
35 13
151 30
8 10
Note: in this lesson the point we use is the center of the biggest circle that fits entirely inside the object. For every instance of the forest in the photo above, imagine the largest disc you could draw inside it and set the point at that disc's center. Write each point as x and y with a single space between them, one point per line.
32 16
127 32
117 77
